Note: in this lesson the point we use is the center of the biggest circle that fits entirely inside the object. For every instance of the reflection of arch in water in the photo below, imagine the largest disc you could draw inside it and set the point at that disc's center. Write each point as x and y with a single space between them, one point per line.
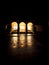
22 40
14 26
30 40
22 27
30 27
14 41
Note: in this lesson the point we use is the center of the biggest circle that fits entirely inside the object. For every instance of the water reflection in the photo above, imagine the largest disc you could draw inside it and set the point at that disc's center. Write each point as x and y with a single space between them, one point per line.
22 40
30 40
13 35
22 45
14 41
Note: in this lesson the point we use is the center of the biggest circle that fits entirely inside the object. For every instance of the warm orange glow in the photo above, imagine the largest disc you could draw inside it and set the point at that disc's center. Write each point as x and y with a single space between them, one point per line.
30 27
14 41
14 46
22 40
22 27
30 40
15 35
14 26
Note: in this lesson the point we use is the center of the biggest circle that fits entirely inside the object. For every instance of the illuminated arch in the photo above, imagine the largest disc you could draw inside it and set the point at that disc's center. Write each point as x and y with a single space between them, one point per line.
30 27
14 26
22 27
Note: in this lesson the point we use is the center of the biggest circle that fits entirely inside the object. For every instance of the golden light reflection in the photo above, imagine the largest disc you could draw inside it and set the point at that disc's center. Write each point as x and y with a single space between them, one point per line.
14 26
14 41
30 27
14 35
22 27
30 40
22 40
29 34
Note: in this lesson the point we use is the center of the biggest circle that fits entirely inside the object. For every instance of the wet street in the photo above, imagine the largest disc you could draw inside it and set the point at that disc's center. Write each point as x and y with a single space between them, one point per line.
21 49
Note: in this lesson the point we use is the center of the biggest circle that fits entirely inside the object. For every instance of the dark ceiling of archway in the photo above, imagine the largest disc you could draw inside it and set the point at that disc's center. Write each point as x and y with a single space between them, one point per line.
22 14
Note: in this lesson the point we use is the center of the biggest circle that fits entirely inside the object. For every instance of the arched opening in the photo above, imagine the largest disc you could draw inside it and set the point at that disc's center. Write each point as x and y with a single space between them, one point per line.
22 27
30 27
14 27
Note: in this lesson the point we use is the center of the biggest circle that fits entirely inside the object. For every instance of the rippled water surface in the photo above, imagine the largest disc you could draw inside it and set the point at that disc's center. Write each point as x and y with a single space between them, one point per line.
20 47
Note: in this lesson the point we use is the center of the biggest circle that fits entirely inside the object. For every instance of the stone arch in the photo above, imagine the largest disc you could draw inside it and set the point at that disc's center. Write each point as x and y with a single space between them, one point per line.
29 27
22 27
14 27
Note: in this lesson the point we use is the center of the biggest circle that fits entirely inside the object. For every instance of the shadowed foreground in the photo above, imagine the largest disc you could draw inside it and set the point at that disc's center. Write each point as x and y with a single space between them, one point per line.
22 49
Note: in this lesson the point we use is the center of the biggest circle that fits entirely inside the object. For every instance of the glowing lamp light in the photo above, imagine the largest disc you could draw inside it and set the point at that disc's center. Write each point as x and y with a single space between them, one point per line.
22 27
14 26
29 27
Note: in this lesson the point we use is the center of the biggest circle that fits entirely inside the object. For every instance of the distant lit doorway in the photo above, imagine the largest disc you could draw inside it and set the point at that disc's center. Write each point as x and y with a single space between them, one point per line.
30 27
14 27
22 27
